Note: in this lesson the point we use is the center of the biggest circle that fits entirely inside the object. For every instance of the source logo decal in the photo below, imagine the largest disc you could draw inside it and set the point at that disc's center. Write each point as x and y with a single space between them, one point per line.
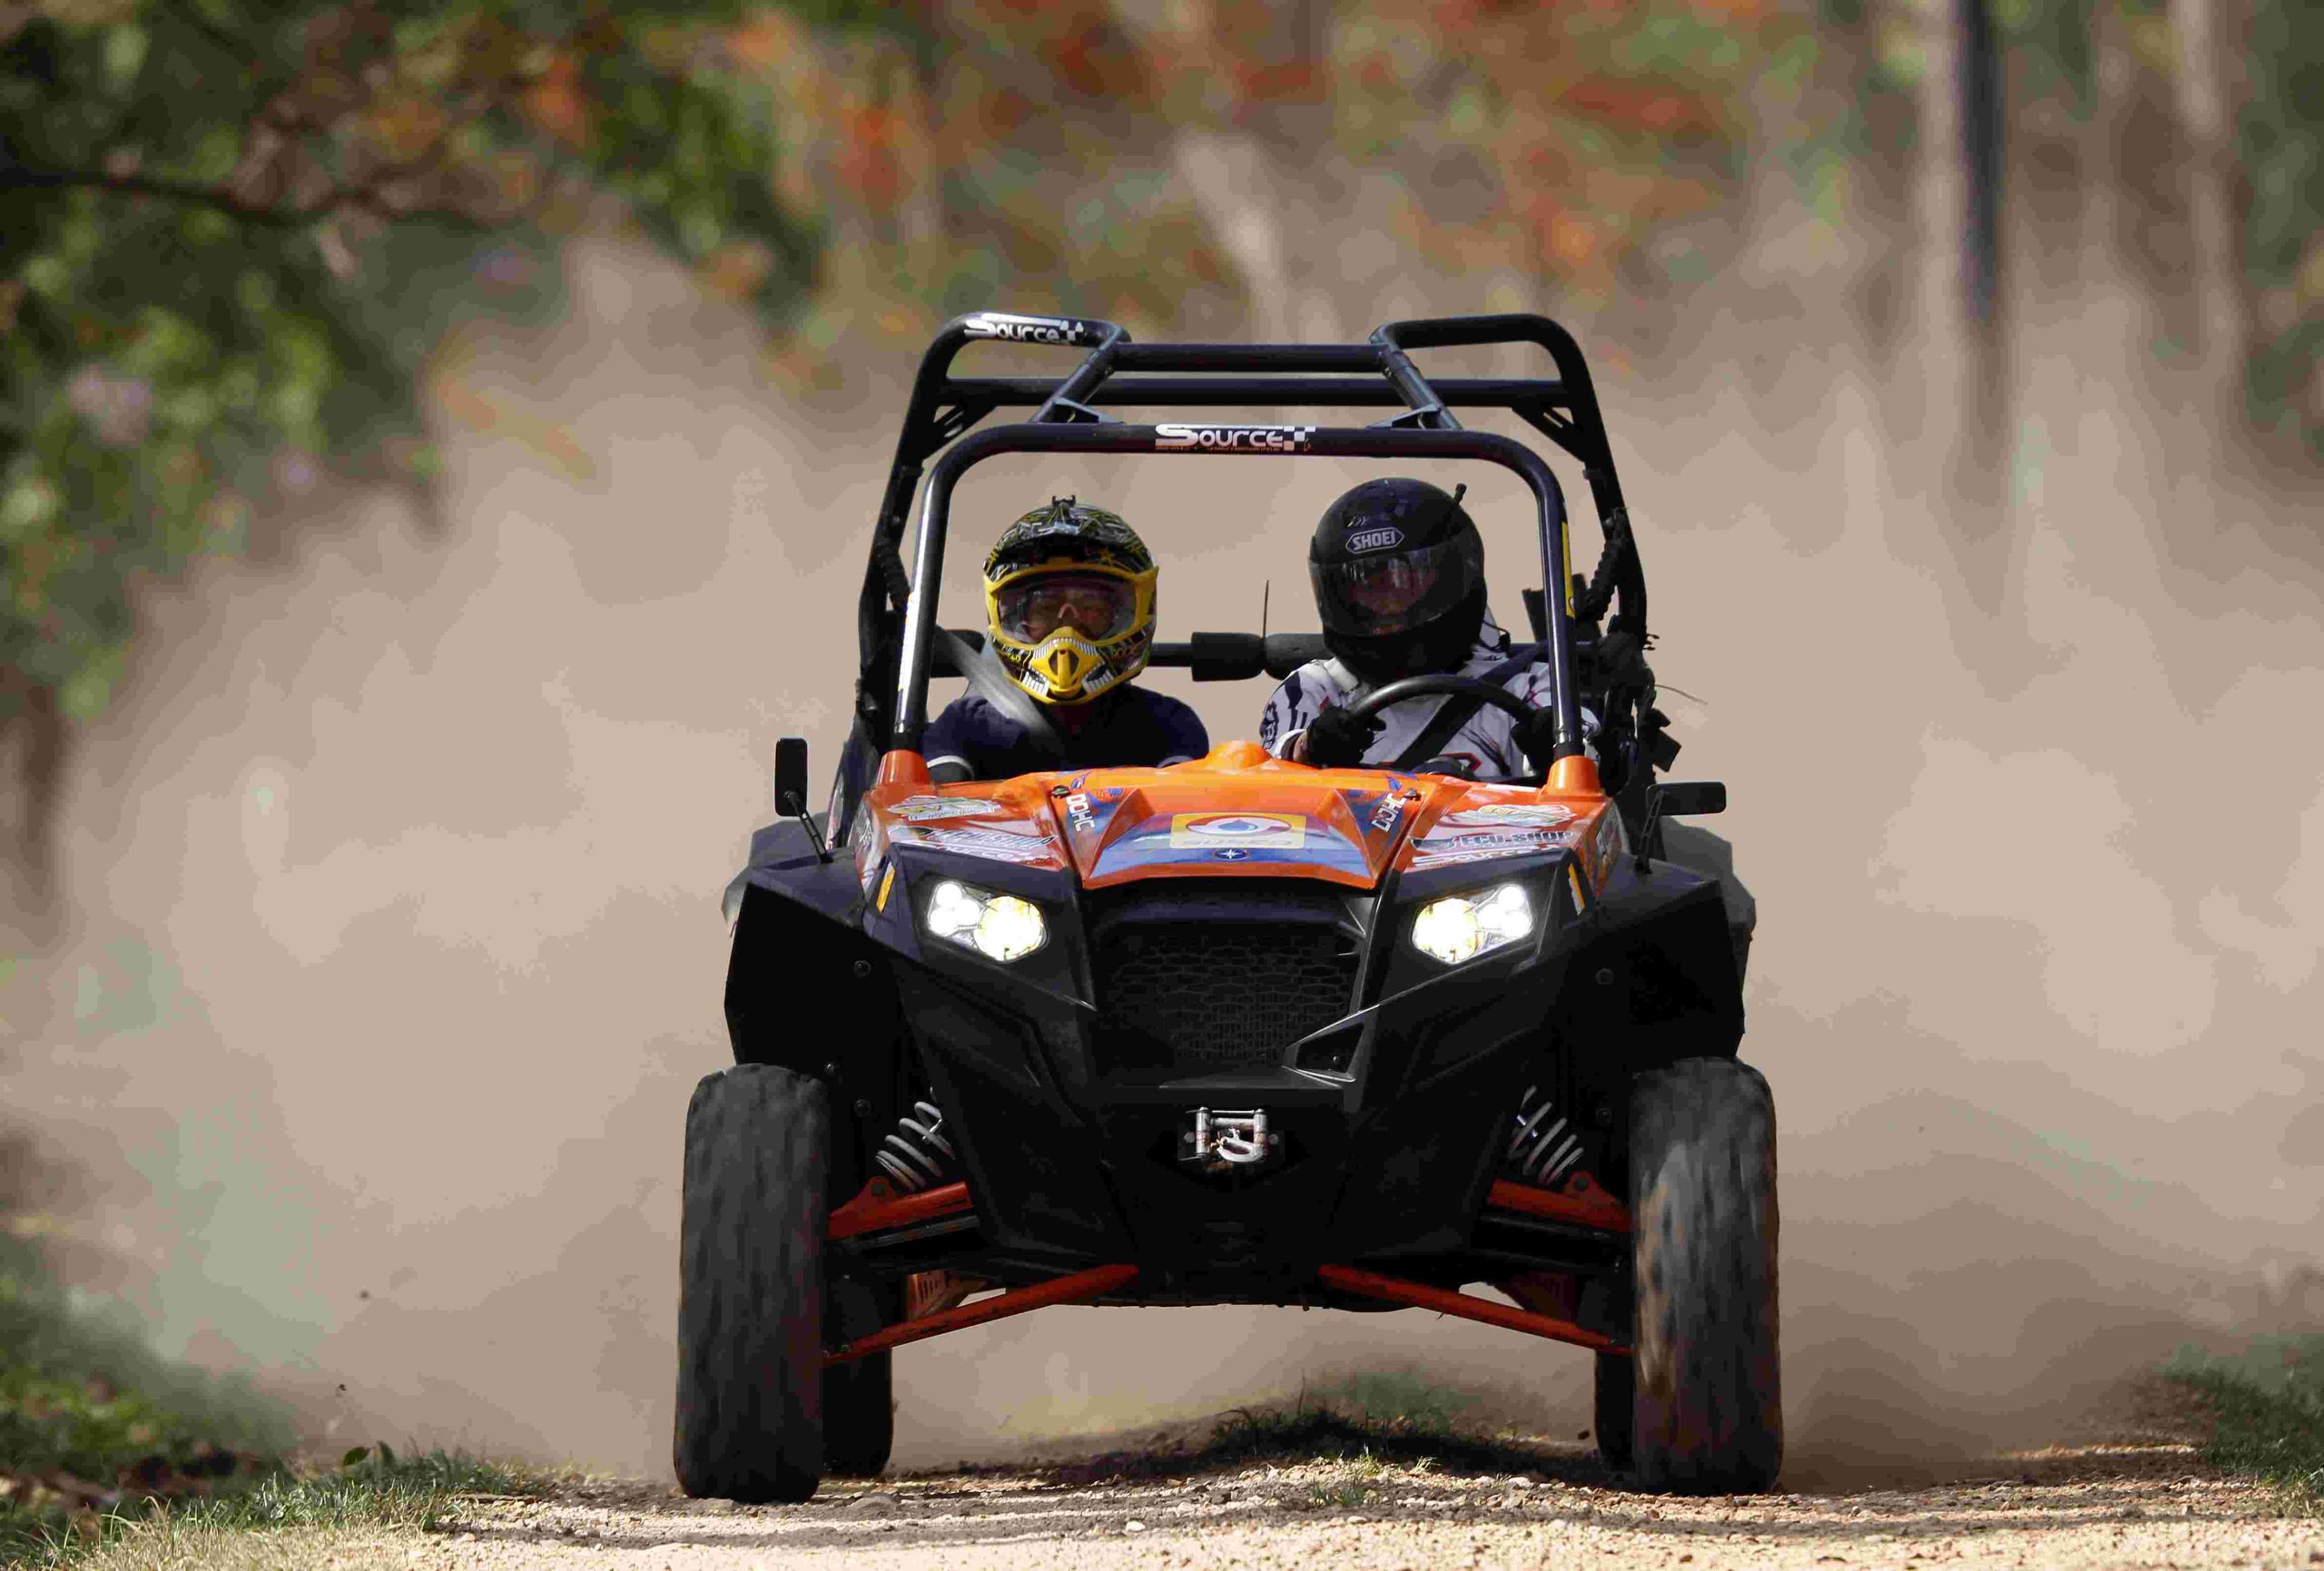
1010 844
1439 849
1250 831
1024 330
1231 853
1365 540
1177 438
1539 815
926 810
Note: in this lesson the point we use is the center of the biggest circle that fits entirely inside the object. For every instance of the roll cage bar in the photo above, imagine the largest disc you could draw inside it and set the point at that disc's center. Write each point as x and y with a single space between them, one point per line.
896 611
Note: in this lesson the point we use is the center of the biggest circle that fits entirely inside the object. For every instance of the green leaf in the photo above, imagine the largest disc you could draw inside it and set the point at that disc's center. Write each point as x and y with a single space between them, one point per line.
354 1456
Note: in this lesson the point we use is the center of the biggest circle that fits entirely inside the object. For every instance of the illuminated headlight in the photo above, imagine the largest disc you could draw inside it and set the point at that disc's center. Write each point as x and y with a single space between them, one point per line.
1462 926
997 927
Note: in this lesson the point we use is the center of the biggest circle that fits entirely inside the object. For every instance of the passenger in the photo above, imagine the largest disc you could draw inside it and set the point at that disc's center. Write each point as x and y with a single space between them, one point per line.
1069 594
1399 574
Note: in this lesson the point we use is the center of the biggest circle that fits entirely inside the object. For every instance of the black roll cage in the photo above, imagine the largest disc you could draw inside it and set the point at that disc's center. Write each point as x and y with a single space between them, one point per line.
896 611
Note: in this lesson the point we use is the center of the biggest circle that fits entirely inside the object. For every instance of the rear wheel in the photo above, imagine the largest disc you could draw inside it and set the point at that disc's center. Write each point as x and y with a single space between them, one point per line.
750 1420
1707 1410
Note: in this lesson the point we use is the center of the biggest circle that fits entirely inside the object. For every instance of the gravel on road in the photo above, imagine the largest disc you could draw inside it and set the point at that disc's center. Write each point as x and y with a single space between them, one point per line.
1409 1504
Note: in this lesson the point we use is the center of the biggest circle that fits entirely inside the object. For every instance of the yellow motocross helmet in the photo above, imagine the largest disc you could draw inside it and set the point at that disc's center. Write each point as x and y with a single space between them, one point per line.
1068 597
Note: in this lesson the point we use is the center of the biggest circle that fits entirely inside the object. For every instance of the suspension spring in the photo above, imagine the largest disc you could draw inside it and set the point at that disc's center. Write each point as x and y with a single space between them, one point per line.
1544 1148
916 1154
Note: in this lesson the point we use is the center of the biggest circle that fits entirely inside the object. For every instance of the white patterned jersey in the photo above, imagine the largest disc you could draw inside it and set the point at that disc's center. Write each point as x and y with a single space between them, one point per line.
1486 740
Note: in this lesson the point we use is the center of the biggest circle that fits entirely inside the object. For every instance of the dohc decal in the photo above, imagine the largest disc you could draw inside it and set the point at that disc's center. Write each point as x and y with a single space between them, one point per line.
1249 831
1078 813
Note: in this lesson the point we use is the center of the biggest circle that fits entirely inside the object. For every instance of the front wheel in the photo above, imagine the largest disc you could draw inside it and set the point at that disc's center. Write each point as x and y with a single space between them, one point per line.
750 1419
859 1396
1707 1410
1617 1398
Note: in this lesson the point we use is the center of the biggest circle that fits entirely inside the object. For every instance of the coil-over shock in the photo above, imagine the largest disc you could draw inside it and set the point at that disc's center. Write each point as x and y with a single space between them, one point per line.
916 1153
1544 1146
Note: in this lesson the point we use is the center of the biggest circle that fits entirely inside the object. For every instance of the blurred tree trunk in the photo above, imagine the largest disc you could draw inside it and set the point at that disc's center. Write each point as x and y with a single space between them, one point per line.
2149 225
1879 198
1957 208
1989 426
2208 33
1268 183
34 743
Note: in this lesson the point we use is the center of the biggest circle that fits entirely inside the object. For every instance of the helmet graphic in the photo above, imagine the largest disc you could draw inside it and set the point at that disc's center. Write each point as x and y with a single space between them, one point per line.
1068 597
1399 574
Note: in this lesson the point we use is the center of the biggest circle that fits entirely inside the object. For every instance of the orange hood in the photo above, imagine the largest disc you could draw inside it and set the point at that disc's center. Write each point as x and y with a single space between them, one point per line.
1236 813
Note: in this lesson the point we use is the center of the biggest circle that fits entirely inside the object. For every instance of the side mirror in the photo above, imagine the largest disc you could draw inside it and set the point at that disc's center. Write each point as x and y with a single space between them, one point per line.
1690 798
791 790
791 777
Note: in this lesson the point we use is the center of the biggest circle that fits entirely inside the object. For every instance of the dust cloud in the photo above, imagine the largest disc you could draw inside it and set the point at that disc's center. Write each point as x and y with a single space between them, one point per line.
392 944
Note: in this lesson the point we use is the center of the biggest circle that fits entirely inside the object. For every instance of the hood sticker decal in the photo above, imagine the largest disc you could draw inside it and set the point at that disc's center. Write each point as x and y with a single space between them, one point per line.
1250 831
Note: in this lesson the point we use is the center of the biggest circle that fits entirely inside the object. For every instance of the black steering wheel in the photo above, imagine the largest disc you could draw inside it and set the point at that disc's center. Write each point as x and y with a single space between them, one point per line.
1500 698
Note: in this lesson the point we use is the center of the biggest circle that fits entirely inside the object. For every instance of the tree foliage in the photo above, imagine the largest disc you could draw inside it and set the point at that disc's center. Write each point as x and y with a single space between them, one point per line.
231 232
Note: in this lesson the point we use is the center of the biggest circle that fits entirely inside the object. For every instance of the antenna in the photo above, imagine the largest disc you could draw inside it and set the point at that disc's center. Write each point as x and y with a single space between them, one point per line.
1266 589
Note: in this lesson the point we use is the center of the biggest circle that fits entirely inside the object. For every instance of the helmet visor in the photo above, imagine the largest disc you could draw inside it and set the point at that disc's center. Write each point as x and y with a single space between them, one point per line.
1397 592
1094 604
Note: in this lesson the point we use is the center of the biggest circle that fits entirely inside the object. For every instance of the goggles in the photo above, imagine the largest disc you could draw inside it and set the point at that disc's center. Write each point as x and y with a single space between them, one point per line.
1093 604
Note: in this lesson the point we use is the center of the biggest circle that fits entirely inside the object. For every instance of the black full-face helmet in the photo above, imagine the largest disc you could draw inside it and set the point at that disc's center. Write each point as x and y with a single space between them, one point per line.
1399 573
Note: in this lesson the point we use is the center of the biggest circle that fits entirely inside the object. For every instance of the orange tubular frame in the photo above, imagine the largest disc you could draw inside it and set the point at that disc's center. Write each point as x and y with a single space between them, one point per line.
1589 1207
878 1207
1079 1288
1419 1295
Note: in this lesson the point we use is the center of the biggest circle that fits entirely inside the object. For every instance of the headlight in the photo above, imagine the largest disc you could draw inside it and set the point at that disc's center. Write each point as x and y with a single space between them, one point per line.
997 927
1461 927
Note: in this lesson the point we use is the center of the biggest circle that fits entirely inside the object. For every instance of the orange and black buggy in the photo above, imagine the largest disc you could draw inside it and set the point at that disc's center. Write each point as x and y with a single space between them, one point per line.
1238 1030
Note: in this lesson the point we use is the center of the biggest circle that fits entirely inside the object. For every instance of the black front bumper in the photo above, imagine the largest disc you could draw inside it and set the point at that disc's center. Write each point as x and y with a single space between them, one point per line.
1392 1118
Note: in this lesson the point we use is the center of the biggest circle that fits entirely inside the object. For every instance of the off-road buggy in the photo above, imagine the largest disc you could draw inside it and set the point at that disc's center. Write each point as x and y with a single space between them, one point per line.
1238 1030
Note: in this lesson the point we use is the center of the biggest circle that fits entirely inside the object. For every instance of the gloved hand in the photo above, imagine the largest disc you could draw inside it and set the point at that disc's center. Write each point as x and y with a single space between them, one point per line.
1538 736
1337 738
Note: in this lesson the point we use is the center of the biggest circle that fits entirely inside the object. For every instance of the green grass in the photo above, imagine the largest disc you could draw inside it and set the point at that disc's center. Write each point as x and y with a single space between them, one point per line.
2268 1403
101 1438
377 1489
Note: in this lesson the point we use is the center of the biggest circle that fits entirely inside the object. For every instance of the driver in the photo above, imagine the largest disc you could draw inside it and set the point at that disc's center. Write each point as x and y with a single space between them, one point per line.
1399 574
1068 594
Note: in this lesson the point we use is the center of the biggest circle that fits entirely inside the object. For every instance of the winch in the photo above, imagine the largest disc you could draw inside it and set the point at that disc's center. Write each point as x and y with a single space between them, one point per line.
1221 1138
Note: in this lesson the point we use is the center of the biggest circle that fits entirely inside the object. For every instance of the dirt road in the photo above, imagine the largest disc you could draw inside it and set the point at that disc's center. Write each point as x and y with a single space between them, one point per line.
2142 1498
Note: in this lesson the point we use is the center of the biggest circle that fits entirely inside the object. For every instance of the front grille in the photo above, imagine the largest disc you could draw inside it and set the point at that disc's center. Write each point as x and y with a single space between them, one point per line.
1217 995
